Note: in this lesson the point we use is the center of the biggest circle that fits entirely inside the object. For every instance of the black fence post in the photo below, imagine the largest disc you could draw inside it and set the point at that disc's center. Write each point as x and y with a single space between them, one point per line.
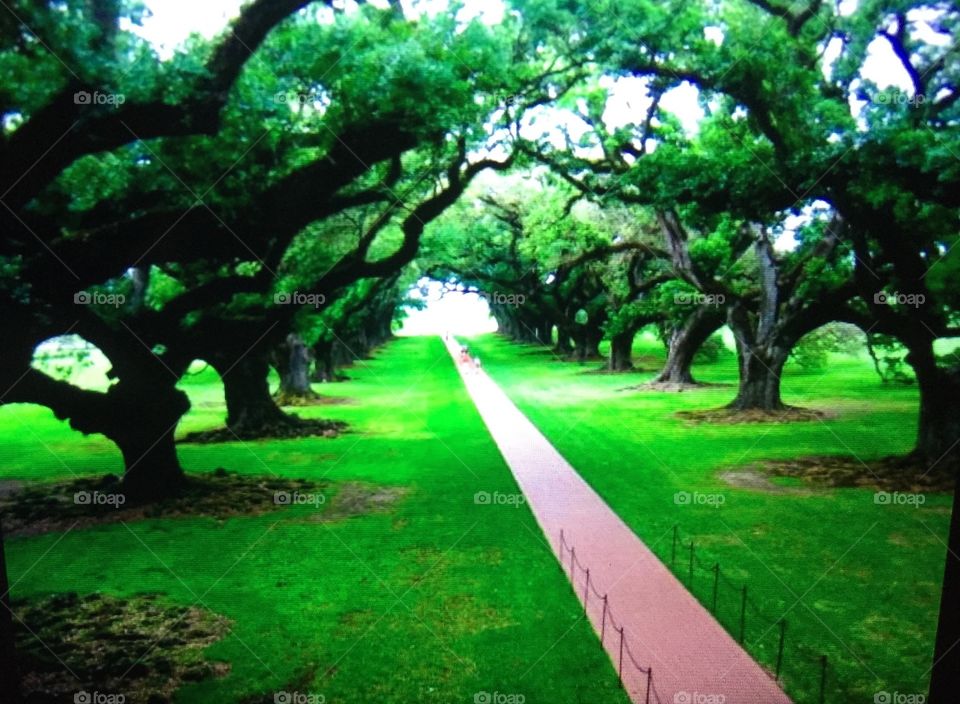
673 554
573 564
743 615
620 664
823 678
586 592
649 682
716 585
603 620
783 633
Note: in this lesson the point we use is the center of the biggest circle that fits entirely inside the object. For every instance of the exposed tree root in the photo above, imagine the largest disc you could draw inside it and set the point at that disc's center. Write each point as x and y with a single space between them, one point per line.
290 427
735 416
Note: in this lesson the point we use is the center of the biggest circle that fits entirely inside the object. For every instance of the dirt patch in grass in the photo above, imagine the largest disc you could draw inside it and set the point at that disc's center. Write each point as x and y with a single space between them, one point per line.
137 647
898 473
672 387
603 370
732 416
757 481
357 499
41 508
315 399
300 428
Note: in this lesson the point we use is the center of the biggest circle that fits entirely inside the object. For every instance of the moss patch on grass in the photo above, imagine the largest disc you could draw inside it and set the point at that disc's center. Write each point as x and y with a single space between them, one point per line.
139 647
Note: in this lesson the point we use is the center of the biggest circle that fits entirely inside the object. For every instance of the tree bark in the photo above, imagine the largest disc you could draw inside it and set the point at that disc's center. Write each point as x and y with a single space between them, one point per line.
9 672
761 368
685 341
564 344
140 416
945 674
251 410
938 433
324 367
292 360
938 428
621 352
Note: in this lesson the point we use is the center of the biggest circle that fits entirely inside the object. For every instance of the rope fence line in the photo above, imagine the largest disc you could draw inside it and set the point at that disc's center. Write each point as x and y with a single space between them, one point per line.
746 605
606 614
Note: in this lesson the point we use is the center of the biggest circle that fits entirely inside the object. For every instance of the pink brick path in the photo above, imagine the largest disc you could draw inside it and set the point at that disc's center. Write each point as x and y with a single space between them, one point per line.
694 660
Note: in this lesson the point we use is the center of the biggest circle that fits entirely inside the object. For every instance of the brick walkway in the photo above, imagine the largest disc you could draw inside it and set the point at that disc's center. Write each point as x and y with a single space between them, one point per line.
694 660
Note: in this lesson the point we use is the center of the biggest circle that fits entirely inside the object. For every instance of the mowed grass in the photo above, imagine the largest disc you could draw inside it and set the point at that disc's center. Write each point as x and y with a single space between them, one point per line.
855 581
433 600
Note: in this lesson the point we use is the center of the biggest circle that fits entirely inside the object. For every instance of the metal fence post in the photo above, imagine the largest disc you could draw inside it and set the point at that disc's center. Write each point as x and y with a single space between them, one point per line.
603 620
716 585
649 681
586 592
783 633
743 615
823 678
673 554
573 564
620 664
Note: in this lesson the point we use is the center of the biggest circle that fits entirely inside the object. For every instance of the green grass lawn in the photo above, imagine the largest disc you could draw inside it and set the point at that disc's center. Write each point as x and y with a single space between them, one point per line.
433 600
856 581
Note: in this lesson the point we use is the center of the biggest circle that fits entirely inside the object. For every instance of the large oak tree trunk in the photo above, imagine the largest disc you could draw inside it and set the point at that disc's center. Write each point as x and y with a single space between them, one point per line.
292 360
761 369
938 429
945 674
9 672
544 332
324 366
621 352
685 341
251 410
564 345
139 414
144 429
938 444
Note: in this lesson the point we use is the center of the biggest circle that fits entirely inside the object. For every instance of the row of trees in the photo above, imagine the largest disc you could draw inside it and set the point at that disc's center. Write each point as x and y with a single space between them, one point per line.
250 202
808 195
256 199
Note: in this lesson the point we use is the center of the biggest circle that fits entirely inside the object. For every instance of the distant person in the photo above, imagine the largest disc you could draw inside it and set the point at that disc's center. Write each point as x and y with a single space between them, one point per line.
476 365
464 355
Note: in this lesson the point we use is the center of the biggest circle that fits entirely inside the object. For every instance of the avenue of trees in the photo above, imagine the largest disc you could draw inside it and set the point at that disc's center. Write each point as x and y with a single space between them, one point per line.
264 200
